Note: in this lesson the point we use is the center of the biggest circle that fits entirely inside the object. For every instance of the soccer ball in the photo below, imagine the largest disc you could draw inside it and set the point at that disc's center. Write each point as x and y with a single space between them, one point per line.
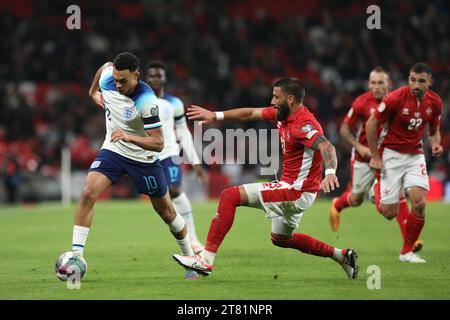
77 266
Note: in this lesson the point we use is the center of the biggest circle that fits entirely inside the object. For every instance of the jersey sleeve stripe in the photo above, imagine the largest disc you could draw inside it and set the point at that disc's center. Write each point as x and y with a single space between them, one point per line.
152 126
178 118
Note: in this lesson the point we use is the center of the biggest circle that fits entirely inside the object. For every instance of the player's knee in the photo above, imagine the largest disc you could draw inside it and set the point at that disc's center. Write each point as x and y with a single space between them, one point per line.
167 214
174 191
389 213
89 194
231 195
418 207
356 202
280 240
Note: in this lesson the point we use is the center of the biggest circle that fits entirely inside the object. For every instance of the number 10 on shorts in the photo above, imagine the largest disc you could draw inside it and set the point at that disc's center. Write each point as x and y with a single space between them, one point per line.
151 183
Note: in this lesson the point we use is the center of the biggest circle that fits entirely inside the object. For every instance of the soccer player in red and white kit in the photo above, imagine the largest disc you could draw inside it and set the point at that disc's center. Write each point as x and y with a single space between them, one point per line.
362 175
400 160
304 148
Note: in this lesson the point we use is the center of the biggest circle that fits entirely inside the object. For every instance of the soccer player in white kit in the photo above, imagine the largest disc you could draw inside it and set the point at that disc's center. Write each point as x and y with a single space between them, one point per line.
174 126
133 139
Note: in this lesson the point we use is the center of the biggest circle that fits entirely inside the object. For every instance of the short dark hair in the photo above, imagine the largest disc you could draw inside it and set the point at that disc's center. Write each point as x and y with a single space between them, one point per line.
156 64
380 69
421 67
292 86
126 61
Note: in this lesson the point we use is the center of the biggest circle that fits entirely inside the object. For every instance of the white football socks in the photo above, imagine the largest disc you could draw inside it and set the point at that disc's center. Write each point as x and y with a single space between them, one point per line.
185 246
176 226
338 256
79 238
183 207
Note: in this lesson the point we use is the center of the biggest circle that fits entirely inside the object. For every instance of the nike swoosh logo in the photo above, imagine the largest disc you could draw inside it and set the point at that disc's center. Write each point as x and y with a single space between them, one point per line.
200 267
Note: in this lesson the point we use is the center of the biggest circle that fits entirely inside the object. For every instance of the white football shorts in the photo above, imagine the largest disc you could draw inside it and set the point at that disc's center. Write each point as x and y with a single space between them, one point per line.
363 177
281 202
401 171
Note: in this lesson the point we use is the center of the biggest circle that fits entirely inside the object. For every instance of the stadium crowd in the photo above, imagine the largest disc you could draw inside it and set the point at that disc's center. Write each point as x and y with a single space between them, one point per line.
219 53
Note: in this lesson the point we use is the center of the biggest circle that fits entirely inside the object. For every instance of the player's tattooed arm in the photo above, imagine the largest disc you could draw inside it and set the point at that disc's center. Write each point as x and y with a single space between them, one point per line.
328 152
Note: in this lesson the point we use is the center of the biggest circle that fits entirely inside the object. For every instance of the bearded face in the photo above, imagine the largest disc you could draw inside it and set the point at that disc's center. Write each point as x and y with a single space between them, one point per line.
283 111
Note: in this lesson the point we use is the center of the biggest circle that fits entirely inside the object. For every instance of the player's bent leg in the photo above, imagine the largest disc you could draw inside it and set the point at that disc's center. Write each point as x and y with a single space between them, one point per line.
95 184
414 226
183 207
389 211
230 198
357 199
177 227
282 236
346 200
417 196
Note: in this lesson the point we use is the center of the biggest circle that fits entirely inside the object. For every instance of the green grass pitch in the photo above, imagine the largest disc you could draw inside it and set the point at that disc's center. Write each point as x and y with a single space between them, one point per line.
129 254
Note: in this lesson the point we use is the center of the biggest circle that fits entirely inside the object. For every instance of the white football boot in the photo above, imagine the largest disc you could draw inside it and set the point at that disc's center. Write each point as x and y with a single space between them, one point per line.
411 257
195 263
197 247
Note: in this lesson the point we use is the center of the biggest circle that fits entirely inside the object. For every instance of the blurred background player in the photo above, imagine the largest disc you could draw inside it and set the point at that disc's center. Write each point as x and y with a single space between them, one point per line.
400 161
304 147
362 175
171 112
133 139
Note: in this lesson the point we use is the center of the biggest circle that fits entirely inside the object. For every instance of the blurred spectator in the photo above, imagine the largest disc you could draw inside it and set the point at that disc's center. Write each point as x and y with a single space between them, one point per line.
12 179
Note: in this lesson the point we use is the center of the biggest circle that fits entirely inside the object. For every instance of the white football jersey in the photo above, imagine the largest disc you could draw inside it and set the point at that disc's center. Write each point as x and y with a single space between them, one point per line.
133 114
171 113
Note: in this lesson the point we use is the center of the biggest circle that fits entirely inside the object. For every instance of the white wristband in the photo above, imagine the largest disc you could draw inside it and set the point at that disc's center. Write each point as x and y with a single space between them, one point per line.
330 171
219 115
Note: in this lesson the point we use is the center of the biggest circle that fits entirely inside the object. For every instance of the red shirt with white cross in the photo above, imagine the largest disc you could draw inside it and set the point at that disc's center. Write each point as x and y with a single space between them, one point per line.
362 108
302 166
405 119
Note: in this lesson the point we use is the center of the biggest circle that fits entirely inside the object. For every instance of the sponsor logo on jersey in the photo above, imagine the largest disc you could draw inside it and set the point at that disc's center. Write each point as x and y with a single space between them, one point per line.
417 114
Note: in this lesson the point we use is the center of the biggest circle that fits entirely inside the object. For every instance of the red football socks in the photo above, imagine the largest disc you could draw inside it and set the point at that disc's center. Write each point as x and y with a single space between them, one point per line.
413 227
230 198
344 201
377 193
402 216
306 244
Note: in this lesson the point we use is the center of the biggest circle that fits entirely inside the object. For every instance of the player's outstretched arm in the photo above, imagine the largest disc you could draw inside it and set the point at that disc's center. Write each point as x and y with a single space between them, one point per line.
207 116
348 137
94 92
328 152
435 141
372 139
153 142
